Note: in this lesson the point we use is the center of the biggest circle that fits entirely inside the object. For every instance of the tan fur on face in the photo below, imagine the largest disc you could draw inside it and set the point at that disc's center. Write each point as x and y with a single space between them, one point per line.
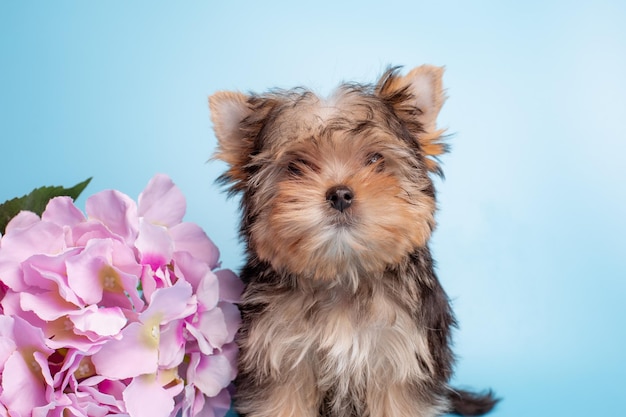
300 232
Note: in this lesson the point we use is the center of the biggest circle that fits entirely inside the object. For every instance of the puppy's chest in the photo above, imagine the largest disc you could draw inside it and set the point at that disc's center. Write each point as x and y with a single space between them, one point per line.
355 338
347 326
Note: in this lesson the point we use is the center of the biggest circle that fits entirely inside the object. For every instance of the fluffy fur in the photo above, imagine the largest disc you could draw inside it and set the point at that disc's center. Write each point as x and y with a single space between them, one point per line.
343 313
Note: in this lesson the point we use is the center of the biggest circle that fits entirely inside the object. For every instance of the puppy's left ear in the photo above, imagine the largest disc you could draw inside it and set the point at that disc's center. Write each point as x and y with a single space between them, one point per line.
228 110
417 99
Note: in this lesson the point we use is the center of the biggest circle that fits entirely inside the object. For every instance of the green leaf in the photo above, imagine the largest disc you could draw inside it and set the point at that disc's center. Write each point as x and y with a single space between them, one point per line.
37 201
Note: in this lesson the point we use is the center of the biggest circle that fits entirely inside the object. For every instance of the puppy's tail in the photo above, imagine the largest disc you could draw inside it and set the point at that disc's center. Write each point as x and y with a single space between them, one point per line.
466 403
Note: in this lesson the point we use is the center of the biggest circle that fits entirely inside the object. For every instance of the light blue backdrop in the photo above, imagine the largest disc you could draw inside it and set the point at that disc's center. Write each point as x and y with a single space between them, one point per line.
530 244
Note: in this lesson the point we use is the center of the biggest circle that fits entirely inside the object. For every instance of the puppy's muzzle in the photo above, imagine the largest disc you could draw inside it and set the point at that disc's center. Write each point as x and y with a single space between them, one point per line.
340 197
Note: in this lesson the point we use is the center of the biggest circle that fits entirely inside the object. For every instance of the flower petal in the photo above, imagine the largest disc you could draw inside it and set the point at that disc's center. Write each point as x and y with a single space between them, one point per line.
48 306
116 211
22 388
191 269
95 277
232 318
83 232
189 237
170 303
203 344
231 286
7 344
7 347
171 344
23 220
145 397
50 273
208 291
210 374
11 304
18 244
219 405
28 336
61 335
149 282
231 352
63 212
105 391
193 401
213 327
88 277
161 202
96 322
154 244
12 274
136 353
196 404
73 361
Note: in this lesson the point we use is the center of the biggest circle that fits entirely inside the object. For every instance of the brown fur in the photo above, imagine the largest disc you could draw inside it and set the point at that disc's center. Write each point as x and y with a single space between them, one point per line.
343 313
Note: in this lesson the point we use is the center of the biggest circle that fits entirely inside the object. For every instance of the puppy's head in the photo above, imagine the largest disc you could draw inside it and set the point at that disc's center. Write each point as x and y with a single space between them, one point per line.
334 187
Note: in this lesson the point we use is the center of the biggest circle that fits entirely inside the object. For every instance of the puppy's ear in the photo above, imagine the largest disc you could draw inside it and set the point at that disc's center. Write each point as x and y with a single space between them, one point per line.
228 111
238 120
417 99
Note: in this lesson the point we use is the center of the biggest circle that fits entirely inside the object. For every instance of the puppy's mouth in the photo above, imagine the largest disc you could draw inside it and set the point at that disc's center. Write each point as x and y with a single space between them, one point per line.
345 220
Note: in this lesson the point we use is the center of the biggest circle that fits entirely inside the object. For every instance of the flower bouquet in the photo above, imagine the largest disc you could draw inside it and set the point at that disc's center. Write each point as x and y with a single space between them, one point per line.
119 312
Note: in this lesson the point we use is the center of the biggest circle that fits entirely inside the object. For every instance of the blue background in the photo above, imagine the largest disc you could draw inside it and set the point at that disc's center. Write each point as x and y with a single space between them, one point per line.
530 243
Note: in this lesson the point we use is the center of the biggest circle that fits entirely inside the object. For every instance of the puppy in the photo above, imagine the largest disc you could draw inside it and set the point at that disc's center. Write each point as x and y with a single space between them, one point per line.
343 314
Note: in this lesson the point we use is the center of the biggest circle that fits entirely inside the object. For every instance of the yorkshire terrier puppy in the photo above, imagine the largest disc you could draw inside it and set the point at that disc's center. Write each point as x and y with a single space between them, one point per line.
343 315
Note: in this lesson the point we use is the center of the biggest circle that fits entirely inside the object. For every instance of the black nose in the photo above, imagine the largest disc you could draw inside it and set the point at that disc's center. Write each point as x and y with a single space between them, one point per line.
340 197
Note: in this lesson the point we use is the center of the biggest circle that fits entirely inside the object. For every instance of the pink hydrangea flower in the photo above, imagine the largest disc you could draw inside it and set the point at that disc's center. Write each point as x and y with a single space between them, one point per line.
104 310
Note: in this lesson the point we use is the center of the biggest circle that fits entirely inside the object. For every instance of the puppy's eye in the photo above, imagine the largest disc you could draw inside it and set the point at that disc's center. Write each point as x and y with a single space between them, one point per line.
296 167
376 159
373 158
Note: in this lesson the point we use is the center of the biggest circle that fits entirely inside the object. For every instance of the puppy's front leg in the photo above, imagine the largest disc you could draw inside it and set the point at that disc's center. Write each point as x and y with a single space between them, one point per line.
292 394
403 400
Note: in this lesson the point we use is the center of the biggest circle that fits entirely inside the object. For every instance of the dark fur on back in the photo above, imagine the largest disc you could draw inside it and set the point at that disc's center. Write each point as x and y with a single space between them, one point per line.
343 314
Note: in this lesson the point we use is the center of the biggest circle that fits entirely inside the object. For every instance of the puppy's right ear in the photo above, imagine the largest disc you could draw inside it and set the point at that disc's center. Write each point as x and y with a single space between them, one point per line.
228 111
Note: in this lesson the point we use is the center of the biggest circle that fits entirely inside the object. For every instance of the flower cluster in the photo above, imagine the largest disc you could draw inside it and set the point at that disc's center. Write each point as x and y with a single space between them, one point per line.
120 312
